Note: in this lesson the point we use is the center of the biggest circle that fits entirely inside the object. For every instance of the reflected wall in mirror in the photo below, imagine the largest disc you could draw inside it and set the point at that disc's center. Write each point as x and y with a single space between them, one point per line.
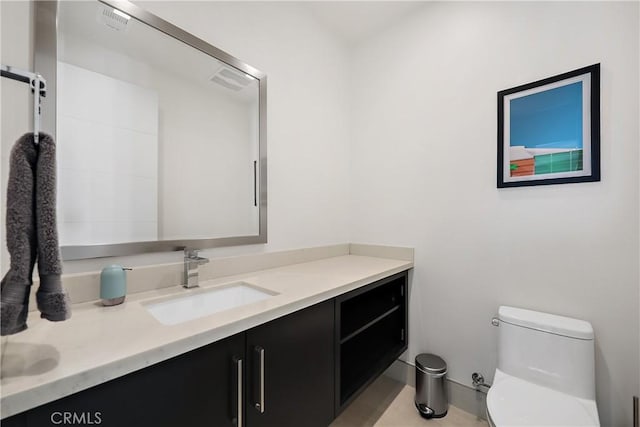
158 141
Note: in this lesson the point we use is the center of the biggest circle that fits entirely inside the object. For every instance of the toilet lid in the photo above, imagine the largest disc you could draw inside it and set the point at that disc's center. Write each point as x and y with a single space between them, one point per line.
512 401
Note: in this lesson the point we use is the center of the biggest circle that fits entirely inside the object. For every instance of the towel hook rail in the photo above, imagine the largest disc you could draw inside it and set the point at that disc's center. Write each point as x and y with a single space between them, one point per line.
34 80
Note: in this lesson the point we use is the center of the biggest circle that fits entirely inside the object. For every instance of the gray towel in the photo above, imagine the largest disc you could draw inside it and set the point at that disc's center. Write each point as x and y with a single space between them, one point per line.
53 302
31 234
21 237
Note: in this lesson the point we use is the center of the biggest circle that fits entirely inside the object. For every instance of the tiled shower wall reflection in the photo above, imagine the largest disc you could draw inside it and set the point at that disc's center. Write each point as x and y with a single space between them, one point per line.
106 154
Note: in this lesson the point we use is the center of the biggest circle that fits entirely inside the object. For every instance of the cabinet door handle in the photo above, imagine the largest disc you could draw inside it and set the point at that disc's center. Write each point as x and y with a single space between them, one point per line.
239 391
259 405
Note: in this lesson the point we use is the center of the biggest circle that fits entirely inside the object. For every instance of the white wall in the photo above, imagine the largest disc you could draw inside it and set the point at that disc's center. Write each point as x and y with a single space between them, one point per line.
423 175
307 117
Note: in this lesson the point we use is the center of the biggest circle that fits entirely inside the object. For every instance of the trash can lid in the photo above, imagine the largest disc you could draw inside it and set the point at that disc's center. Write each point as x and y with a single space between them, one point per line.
430 363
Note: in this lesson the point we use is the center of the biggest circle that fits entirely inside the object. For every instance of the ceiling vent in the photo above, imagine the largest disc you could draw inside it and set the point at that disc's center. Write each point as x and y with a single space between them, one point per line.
113 18
231 78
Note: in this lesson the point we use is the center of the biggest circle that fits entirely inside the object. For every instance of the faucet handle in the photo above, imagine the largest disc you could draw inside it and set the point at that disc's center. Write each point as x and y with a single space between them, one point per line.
191 253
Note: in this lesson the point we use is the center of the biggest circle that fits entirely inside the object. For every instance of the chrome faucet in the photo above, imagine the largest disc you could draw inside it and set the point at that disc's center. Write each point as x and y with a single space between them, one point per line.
191 263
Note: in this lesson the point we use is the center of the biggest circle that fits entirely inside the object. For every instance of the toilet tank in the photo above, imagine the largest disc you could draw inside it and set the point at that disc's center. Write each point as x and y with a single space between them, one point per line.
549 350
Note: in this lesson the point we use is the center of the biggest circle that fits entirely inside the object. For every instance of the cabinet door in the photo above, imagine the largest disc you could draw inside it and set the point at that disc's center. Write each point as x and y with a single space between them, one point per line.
19 420
290 370
198 388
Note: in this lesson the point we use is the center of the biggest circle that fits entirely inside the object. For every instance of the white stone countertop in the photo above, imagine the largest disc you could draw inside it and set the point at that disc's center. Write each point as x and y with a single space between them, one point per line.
52 360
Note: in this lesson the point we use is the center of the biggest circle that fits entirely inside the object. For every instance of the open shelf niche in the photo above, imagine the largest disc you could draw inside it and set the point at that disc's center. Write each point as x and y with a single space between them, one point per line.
371 332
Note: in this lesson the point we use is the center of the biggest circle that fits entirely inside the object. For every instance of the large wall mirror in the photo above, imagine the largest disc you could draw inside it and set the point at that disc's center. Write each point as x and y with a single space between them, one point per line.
161 137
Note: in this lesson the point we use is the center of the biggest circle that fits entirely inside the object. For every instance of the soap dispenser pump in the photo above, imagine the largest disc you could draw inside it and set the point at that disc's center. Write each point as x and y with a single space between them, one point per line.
113 285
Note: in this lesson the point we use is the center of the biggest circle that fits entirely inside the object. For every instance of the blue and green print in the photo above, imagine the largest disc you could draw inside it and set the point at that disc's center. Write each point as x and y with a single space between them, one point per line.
546 131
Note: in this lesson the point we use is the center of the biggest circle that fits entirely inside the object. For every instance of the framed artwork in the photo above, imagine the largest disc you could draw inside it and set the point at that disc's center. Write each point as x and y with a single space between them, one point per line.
549 130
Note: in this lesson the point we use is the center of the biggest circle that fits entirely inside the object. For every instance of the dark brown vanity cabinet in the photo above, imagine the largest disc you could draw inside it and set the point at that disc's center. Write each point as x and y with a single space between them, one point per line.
195 389
371 333
290 370
301 369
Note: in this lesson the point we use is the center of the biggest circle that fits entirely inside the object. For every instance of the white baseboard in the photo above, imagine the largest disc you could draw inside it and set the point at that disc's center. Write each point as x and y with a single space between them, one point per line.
460 395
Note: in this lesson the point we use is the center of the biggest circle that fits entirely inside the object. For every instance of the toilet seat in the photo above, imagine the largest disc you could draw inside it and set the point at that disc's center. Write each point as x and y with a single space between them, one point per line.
512 401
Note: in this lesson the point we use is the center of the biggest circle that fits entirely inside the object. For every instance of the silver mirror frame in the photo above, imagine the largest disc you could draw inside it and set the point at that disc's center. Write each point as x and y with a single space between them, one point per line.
45 61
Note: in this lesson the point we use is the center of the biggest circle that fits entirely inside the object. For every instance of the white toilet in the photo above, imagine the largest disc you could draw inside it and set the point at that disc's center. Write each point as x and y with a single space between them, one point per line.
546 372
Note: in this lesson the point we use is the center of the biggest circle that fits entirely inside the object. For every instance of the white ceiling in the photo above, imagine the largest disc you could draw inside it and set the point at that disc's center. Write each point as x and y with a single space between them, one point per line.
354 21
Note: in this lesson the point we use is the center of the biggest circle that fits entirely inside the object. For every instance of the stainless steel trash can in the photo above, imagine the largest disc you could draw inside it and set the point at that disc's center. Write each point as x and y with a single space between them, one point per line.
431 386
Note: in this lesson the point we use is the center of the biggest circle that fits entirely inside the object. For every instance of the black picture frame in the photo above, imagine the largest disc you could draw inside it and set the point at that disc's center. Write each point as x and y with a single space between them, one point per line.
539 109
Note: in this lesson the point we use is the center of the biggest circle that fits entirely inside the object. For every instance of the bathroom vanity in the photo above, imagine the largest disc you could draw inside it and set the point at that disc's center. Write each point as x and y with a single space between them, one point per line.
300 368
220 384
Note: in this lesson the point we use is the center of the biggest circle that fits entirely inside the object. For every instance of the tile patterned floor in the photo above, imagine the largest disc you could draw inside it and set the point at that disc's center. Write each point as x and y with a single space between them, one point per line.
388 403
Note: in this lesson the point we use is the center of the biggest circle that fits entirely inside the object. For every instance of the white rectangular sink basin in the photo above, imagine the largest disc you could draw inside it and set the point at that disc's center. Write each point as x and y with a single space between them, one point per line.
203 302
